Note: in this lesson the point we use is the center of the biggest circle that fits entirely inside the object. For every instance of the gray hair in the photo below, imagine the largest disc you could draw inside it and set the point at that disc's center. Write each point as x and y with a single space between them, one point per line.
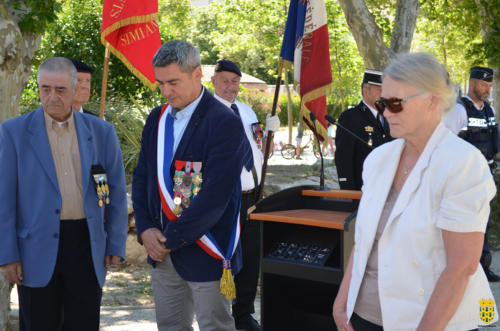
424 72
180 52
59 65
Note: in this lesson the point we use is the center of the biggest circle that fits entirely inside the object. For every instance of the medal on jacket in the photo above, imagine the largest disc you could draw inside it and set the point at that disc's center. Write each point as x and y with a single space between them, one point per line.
257 134
369 130
101 184
178 176
187 180
197 180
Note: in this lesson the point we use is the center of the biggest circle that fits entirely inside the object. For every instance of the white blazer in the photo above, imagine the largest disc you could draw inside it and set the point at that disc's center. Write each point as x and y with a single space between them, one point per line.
449 188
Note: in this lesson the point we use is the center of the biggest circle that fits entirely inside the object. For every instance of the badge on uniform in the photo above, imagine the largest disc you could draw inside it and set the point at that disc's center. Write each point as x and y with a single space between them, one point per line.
257 133
101 184
187 184
369 130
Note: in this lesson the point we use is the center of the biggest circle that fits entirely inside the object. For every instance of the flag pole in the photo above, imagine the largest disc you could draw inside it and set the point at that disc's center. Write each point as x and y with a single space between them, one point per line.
270 134
104 85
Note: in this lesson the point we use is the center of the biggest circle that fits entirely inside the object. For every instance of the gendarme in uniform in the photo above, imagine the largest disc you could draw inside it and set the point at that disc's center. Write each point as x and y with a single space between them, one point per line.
364 121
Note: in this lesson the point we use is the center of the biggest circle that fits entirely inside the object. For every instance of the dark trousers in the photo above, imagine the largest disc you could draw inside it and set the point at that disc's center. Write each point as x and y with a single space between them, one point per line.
247 279
359 323
72 298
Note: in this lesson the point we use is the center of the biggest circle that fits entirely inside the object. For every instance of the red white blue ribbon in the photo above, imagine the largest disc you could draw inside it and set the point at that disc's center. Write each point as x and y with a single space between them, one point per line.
165 184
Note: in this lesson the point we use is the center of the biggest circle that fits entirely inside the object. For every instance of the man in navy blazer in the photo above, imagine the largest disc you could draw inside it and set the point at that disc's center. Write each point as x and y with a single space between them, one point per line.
186 276
57 235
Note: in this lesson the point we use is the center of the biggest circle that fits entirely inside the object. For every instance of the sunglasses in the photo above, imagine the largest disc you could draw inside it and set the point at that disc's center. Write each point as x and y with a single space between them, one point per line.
394 105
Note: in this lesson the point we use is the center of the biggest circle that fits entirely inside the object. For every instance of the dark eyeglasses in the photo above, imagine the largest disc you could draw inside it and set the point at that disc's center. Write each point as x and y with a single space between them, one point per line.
394 105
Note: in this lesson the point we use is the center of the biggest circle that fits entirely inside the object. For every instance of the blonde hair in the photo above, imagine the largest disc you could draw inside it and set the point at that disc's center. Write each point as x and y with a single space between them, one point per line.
424 72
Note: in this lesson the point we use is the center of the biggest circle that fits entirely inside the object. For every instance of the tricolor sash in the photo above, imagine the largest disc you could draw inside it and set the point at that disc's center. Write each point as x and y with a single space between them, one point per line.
207 242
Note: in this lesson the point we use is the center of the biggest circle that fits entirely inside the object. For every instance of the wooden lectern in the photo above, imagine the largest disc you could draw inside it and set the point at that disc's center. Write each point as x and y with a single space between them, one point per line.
306 238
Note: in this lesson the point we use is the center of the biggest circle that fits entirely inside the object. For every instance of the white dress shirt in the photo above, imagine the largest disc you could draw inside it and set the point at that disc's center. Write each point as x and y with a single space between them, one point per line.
248 117
449 188
181 120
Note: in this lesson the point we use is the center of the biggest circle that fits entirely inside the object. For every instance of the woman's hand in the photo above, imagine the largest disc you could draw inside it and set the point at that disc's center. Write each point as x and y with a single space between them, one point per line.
340 304
341 320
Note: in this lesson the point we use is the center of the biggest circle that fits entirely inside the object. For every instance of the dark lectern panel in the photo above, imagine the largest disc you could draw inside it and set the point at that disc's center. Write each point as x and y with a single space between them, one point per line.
297 304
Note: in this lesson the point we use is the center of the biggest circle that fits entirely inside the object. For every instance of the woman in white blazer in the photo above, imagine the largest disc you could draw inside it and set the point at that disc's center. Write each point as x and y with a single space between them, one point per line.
420 224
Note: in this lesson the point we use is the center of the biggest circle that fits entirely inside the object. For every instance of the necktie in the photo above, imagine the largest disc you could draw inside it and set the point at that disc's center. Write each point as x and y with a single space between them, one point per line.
235 108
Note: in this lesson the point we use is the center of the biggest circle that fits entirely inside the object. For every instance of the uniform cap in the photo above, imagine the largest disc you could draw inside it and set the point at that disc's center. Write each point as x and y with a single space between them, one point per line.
373 77
482 73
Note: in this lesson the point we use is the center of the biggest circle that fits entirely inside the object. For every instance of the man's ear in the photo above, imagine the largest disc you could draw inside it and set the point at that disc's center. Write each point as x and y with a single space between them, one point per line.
213 80
197 73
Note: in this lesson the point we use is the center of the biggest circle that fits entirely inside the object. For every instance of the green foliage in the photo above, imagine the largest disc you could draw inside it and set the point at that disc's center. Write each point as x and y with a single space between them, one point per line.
175 18
205 22
128 117
385 13
247 32
34 15
492 37
283 115
451 31
347 63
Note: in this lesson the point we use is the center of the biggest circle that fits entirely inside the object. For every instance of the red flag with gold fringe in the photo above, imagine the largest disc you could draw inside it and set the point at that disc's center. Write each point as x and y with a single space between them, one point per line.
130 31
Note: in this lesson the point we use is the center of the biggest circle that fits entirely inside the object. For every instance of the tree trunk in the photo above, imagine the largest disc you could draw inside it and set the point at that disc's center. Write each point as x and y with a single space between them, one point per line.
406 18
370 38
17 50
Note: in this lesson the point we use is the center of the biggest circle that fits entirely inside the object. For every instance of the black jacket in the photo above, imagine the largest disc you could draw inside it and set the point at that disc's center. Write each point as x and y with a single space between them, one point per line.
350 153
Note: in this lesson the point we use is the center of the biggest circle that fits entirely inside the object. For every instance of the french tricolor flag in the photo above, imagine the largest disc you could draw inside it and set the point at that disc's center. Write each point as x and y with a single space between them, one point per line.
306 46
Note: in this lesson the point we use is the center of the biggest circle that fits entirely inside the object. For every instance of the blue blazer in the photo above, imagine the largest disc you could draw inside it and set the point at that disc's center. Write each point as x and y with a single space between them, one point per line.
214 136
31 202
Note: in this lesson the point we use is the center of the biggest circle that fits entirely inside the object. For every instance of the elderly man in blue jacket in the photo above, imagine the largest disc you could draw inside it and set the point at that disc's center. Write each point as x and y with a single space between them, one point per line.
63 215
187 193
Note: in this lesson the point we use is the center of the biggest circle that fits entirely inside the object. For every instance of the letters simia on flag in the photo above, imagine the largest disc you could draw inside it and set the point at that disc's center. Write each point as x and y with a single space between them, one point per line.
306 46
130 31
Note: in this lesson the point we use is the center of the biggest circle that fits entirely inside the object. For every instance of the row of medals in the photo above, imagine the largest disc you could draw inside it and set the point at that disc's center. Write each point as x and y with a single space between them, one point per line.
186 186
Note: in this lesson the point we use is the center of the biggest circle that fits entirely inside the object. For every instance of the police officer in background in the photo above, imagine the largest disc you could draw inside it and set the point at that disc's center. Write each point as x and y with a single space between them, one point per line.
82 89
364 121
474 120
226 81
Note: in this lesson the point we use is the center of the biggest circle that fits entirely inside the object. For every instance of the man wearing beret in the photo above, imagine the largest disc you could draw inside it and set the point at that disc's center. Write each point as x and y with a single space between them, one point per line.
365 123
226 81
474 120
82 89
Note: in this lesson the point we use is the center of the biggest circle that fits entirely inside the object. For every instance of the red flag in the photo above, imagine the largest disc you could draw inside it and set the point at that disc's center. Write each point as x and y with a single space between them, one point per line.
130 31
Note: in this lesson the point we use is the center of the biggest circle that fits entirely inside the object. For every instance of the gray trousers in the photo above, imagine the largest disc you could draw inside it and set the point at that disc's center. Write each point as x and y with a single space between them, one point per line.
177 300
